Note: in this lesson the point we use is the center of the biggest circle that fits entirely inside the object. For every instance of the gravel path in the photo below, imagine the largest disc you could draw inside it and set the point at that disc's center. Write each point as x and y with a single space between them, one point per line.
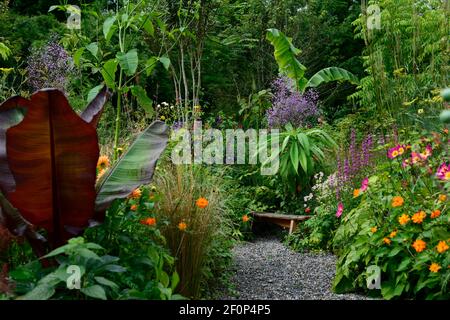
267 269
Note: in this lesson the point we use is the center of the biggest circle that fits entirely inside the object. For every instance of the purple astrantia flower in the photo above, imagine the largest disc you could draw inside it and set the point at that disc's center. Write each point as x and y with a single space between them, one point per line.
49 67
290 106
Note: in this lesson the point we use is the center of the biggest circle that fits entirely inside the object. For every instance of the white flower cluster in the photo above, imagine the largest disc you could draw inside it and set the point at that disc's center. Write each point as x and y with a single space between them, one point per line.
164 105
318 177
307 198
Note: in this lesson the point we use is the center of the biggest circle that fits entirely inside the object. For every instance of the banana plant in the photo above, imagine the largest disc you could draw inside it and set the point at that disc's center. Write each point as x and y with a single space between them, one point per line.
285 54
48 159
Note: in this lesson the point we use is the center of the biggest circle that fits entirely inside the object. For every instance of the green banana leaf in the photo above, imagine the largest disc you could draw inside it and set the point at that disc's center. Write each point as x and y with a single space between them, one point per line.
285 54
134 168
328 75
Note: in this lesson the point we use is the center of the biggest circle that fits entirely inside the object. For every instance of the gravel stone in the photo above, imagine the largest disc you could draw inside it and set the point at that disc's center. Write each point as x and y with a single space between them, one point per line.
268 270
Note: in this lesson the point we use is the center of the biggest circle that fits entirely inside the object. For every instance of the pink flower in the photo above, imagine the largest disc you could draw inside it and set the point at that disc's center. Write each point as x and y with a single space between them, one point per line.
393 152
415 157
340 209
443 172
364 184
427 153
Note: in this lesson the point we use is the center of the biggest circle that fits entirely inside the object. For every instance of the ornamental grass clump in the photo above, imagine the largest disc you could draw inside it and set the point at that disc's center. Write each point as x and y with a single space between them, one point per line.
190 205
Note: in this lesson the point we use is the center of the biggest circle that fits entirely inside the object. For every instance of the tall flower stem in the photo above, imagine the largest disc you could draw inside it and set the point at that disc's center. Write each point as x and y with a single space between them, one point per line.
117 121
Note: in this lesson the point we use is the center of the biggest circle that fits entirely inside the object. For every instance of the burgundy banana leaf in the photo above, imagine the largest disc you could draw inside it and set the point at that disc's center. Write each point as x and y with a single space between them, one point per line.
52 155
48 172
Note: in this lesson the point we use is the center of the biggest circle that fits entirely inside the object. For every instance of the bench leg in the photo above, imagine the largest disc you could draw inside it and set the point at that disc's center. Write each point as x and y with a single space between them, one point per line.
291 227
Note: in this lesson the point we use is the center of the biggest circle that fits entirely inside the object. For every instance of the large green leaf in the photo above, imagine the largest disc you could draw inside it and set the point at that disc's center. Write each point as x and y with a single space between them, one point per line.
294 155
107 27
128 61
95 291
109 73
143 100
331 74
134 168
285 54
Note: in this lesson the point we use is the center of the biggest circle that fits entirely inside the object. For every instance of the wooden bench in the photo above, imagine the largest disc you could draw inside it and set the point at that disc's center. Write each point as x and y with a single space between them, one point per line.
284 220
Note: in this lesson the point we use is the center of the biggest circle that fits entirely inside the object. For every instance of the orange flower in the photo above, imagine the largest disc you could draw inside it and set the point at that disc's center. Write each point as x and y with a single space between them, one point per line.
149 221
442 247
201 203
308 210
100 173
418 217
182 226
397 201
419 245
393 234
387 241
136 194
442 197
373 229
403 219
245 218
103 162
356 193
436 213
133 207
435 267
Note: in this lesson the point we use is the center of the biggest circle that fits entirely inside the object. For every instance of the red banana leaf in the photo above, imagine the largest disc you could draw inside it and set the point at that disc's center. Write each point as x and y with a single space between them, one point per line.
53 155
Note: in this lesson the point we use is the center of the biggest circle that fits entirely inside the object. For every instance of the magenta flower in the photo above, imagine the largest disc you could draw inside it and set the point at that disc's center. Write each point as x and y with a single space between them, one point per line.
396 151
364 184
340 209
427 153
393 153
443 172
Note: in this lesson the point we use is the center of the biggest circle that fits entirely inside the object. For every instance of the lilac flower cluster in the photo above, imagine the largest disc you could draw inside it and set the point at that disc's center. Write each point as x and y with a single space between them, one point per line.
49 67
351 163
288 105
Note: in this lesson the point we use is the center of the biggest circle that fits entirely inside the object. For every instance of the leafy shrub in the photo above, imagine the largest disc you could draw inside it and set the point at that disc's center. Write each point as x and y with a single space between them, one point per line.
400 223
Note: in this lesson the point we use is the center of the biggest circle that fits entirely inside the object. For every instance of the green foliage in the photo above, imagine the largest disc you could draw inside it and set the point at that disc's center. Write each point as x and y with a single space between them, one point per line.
400 82
302 152
285 55
376 231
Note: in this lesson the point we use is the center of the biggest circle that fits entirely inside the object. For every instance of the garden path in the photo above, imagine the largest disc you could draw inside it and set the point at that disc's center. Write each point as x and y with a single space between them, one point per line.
266 269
